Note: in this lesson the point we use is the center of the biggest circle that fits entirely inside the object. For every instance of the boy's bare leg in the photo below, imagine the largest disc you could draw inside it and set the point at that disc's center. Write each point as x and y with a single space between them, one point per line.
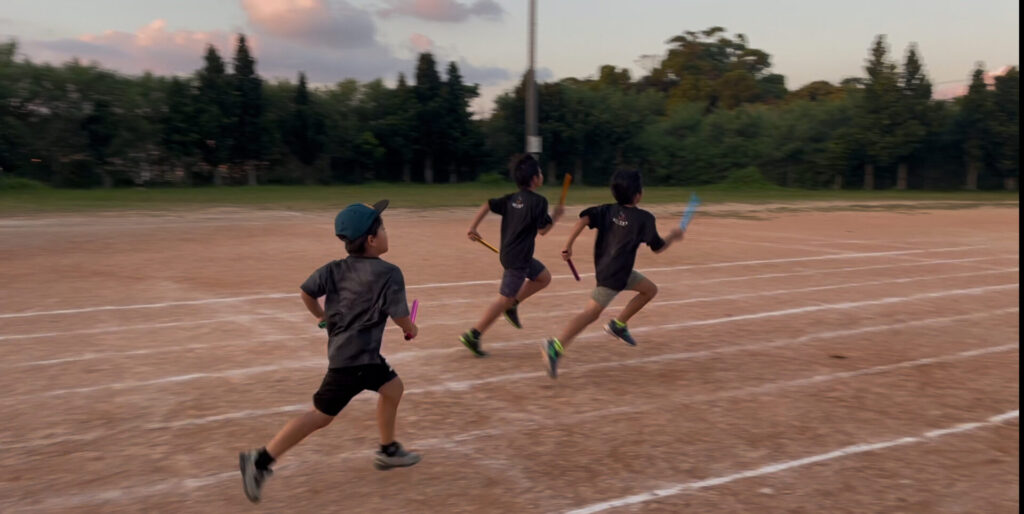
296 430
532 286
387 409
645 292
391 454
494 310
579 322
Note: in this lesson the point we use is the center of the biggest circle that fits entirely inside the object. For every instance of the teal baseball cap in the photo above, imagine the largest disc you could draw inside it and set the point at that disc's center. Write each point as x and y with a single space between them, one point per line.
353 221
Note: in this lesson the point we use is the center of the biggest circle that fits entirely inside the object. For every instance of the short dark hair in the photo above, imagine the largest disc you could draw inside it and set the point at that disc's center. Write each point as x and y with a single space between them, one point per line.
357 246
524 169
626 184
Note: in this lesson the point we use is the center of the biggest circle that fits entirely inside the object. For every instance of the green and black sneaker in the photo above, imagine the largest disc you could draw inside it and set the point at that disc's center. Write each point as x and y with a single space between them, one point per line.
618 330
552 350
512 316
471 340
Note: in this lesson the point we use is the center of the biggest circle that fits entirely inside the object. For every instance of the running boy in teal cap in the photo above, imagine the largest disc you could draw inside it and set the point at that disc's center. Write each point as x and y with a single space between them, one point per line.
362 292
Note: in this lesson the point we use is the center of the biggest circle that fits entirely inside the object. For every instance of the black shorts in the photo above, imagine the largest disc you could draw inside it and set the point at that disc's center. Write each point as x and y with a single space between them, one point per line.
513 279
340 385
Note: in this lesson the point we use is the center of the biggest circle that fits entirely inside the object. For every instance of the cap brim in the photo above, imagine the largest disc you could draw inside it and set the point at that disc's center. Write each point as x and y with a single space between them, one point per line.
380 206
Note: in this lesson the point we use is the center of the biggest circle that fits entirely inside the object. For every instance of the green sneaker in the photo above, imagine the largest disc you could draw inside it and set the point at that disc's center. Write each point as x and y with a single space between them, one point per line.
618 329
473 343
552 350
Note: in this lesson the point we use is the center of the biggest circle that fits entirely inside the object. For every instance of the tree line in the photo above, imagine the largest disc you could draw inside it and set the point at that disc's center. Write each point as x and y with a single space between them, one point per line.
707 109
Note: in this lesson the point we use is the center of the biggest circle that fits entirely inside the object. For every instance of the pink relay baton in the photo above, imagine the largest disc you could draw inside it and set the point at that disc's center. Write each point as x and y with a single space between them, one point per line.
573 268
412 315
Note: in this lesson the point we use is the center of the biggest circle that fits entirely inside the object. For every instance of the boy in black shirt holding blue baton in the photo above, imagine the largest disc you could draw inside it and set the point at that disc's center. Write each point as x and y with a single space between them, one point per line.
621 228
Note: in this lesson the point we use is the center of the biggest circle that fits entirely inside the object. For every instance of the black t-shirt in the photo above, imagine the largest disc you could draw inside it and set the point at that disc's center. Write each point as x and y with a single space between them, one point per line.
522 214
620 230
362 293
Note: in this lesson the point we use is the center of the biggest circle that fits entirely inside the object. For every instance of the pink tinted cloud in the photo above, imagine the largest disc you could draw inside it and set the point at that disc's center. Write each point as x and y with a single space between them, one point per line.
150 48
952 91
421 43
337 24
442 10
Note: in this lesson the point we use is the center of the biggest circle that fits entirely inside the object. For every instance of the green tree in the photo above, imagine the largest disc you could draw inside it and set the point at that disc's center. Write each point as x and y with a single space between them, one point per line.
458 130
912 114
304 134
178 135
819 90
714 69
213 113
12 110
427 92
877 113
100 127
976 126
247 142
1007 133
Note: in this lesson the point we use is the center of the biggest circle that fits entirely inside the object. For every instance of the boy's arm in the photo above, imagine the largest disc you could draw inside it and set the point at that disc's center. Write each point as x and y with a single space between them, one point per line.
580 225
313 306
408 327
556 214
675 235
472 233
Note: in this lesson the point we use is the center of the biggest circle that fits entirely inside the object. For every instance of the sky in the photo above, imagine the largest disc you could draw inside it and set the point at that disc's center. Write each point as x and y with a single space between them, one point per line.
331 40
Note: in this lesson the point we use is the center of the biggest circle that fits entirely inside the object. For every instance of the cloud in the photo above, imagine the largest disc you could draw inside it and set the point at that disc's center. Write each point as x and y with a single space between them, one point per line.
299 43
313 22
951 91
450 11
474 74
420 43
151 48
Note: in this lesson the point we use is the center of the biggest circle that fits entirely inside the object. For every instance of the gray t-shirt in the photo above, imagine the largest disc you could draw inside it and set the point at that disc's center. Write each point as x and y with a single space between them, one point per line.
362 293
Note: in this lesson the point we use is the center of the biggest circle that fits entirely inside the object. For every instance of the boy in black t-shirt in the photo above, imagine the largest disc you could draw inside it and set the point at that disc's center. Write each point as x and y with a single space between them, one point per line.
621 228
524 214
362 292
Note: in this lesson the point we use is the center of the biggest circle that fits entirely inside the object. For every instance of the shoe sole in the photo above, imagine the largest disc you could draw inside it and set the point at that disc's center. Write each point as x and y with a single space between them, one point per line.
384 466
608 330
478 353
245 481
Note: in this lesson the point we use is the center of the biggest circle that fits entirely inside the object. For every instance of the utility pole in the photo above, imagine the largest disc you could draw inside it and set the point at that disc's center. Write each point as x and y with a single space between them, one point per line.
533 143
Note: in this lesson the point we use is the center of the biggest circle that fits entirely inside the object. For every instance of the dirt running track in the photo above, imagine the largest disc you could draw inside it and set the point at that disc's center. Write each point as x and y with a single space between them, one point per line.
810 362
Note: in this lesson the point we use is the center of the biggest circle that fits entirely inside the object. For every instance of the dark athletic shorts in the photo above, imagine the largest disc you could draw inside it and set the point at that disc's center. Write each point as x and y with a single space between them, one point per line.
513 279
340 385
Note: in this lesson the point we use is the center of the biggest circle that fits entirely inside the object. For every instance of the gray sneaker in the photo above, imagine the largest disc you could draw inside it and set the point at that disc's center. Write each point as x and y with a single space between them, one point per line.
252 477
401 459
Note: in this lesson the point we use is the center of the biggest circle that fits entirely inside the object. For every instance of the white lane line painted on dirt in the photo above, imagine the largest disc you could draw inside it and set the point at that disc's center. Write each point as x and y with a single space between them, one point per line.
319 362
462 385
772 245
812 258
796 463
442 443
767 275
478 282
559 293
245 317
834 306
754 294
150 305
131 353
